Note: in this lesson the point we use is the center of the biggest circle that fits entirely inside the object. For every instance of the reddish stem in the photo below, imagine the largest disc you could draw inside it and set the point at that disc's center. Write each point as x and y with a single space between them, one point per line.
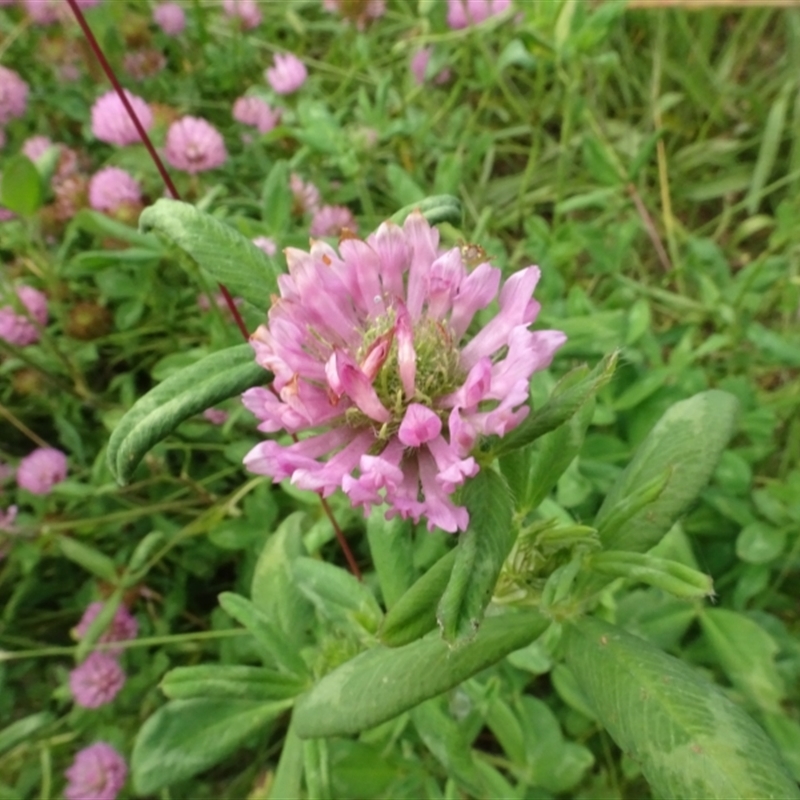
162 170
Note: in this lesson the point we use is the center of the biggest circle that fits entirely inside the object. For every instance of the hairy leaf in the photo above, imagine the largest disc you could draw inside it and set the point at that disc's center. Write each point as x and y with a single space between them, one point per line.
212 379
381 683
185 737
222 251
688 442
690 740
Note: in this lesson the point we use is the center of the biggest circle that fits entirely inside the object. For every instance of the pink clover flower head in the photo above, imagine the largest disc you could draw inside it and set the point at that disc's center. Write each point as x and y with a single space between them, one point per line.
255 112
97 680
122 628
42 12
144 64
36 146
42 469
97 773
216 416
247 11
288 74
170 17
194 145
463 13
360 12
19 329
13 95
266 244
306 196
111 188
373 368
332 220
110 120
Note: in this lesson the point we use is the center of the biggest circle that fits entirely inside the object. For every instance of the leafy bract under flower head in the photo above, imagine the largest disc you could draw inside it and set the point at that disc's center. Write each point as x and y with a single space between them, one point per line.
374 369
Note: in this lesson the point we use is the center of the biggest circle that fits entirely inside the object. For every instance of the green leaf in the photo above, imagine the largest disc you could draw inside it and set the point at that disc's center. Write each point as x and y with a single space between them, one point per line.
212 379
404 188
103 226
381 683
274 590
690 740
185 737
89 558
449 744
760 543
560 407
231 681
276 198
552 454
746 653
23 730
392 550
275 646
688 440
21 185
480 555
336 594
414 614
223 252
436 209
663 573
289 773
770 143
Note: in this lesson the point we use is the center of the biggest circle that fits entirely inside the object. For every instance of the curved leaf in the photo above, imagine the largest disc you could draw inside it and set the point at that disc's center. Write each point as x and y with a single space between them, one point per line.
436 209
480 554
690 740
185 737
184 394
688 441
381 683
222 251
230 681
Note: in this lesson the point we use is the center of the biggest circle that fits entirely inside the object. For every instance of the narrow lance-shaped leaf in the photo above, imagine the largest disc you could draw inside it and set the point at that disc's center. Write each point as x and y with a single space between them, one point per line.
559 408
392 550
480 554
688 442
185 737
222 251
231 681
690 740
188 392
381 683
414 614
21 185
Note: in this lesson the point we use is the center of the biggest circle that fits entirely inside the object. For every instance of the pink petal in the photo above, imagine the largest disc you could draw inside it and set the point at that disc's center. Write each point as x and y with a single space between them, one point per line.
528 352
423 240
419 425
345 377
393 250
452 469
280 461
477 290
444 279
327 477
437 506
406 354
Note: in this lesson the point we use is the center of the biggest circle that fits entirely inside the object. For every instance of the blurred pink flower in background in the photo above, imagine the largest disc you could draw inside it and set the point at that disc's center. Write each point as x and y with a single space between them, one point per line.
332 220
419 68
144 63
194 145
306 195
216 416
287 75
18 329
110 120
97 680
7 518
463 13
111 188
247 11
36 146
170 17
46 12
122 628
97 773
256 112
367 347
266 244
42 469
359 12
13 95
